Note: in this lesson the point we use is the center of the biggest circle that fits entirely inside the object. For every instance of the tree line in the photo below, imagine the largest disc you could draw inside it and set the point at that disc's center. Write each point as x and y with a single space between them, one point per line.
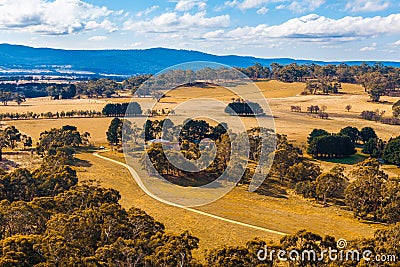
378 115
50 115
376 79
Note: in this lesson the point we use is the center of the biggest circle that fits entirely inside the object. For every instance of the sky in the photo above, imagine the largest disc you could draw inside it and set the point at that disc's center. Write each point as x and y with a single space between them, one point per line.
311 29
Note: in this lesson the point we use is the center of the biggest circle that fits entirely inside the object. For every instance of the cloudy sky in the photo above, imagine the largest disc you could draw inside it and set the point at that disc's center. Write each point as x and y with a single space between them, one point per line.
309 29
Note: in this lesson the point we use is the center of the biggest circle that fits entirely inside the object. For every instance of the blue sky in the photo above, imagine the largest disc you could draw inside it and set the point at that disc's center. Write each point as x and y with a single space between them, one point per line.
311 29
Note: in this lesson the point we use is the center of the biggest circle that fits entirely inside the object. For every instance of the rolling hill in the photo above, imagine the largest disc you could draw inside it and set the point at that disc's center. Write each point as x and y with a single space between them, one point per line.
17 59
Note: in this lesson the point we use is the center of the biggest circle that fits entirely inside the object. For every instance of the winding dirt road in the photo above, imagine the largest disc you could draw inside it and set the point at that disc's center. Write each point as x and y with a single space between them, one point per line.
139 182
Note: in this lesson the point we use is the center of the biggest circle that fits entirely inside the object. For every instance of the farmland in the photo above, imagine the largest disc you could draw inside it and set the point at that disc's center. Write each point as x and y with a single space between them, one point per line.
289 214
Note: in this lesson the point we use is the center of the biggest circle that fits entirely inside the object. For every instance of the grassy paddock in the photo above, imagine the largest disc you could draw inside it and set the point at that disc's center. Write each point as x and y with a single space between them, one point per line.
288 214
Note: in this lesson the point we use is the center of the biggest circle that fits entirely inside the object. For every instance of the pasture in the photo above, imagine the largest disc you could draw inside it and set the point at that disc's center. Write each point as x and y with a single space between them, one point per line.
280 97
289 214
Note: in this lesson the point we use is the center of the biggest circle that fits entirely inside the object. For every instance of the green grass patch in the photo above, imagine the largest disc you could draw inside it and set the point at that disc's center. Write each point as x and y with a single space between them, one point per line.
350 160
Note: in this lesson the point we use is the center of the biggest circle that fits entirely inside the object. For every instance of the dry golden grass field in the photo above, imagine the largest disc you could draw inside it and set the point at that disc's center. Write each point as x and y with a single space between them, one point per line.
286 215
282 214
280 97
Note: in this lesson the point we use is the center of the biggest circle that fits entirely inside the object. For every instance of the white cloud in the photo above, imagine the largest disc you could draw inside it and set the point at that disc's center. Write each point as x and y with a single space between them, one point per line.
303 6
186 5
295 6
319 29
172 22
97 38
53 17
262 10
248 4
366 5
214 34
147 11
368 48
397 43
372 47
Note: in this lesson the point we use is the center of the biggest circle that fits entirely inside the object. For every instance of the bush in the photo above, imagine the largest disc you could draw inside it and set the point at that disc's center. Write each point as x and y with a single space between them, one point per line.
391 153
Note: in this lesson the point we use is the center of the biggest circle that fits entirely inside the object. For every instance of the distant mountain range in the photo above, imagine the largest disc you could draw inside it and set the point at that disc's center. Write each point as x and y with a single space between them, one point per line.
17 59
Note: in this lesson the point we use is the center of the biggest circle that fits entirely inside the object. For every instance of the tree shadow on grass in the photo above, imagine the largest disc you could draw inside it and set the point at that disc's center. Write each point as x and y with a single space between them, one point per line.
81 163
272 188
8 165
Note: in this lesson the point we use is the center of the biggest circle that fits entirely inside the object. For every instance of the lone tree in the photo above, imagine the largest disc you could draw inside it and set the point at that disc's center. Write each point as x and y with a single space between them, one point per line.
365 195
348 108
10 137
331 183
114 133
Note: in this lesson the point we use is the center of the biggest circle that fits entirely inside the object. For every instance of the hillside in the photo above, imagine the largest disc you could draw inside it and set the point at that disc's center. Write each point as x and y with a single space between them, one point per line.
16 59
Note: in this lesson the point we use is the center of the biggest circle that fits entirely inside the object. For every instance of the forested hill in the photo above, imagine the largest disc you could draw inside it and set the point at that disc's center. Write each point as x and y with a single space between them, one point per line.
23 59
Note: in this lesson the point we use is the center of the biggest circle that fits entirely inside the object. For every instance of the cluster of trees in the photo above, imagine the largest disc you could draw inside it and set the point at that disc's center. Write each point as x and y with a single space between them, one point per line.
6 97
61 91
379 80
384 242
376 79
160 112
120 128
372 145
324 144
10 137
122 109
27 89
45 224
373 194
327 145
192 130
187 137
291 170
65 140
377 115
49 220
98 88
257 71
244 108
320 86
133 83
50 115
